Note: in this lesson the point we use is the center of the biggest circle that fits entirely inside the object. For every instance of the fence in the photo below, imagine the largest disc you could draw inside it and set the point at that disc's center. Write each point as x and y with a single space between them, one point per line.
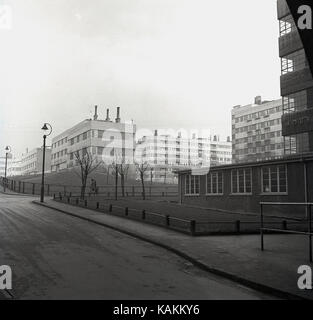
181 225
284 229
167 191
186 225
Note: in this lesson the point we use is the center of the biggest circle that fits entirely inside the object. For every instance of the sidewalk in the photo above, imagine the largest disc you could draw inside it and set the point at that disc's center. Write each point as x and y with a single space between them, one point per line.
238 258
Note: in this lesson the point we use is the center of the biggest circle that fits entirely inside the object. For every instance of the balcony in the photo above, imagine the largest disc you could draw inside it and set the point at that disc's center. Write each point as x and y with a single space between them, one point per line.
296 81
289 43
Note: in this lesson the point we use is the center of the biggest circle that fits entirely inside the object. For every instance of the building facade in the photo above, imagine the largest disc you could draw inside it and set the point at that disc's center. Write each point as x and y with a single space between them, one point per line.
257 131
166 154
31 162
105 140
296 86
2 166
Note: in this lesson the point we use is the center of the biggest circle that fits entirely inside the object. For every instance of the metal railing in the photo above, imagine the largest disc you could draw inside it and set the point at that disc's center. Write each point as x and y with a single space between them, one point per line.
130 191
309 234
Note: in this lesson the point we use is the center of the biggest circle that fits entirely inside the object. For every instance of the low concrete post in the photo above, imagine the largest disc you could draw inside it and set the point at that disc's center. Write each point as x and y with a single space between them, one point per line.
237 226
193 227
167 220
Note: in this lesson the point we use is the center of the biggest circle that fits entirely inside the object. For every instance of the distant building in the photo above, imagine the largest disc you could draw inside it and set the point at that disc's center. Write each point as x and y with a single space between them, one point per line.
257 131
31 162
15 167
165 154
106 140
296 84
2 166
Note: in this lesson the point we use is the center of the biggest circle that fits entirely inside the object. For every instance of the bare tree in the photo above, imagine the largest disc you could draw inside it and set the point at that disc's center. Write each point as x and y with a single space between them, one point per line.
87 163
122 169
142 168
114 172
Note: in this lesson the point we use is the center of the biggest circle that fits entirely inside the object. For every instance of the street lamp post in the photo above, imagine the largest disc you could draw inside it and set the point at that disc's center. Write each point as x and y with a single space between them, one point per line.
46 128
7 151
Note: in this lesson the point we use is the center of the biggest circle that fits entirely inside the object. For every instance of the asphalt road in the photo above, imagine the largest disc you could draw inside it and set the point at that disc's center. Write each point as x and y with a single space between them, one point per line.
55 256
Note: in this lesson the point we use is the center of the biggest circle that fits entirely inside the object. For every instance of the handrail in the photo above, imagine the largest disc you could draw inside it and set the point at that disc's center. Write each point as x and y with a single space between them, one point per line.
308 206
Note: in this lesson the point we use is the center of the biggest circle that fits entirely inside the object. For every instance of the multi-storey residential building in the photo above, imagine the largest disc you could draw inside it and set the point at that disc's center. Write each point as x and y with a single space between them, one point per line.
106 140
166 154
31 161
296 86
257 131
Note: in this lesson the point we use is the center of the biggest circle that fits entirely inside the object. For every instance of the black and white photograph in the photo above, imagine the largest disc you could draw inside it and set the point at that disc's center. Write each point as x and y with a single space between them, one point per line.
157 154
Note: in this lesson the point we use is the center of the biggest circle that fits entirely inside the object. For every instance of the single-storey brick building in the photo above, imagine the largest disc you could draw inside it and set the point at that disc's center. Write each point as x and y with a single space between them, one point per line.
241 187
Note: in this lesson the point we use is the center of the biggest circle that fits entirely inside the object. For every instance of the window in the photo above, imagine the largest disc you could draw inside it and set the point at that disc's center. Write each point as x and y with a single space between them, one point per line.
215 183
294 62
100 151
241 180
85 136
287 25
295 102
274 179
192 185
100 134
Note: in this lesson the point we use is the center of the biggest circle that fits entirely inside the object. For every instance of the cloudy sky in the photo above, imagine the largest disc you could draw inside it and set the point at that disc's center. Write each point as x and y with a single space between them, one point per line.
166 63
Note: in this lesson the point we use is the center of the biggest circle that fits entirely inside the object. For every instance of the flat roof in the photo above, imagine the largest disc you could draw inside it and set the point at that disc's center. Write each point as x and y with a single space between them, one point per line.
286 159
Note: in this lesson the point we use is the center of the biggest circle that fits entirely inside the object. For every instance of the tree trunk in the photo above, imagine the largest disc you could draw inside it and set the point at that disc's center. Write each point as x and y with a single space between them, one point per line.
116 182
123 184
143 186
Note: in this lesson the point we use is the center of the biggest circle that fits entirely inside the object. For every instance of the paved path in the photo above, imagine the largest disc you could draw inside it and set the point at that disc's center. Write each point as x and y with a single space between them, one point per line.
238 257
56 256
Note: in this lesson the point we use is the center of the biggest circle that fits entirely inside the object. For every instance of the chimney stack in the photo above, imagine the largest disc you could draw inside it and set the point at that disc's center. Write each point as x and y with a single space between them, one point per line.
95 117
108 115
118 119
258 100
155 133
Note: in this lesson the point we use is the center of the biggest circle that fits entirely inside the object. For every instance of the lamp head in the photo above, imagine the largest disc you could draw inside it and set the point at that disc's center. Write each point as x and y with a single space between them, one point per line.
45 127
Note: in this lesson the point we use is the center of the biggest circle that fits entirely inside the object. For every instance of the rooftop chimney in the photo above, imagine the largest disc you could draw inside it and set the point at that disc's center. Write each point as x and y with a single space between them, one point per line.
118 119
258 100
155 133
108 115
95 117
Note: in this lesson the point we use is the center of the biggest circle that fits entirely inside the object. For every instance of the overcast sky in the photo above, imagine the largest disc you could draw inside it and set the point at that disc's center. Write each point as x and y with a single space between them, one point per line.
166 63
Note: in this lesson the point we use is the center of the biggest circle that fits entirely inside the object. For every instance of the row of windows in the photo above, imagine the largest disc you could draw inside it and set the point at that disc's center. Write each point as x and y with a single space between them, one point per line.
59 143
273 179
257 115
258 126
59 154
258 138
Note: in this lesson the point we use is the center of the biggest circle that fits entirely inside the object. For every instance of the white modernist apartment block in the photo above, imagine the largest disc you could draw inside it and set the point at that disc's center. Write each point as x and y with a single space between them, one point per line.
31 161
257 131
166 153
106 140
